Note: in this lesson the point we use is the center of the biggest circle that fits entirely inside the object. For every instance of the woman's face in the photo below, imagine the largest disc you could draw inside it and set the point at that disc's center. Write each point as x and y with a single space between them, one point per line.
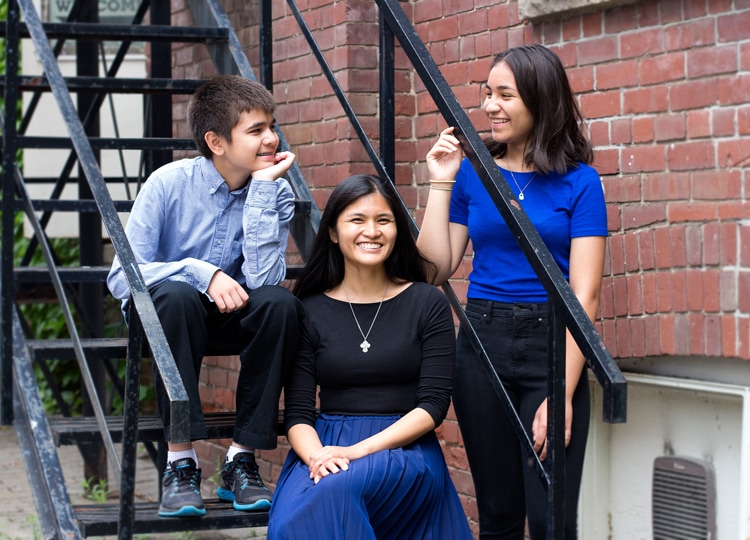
510 121
366 231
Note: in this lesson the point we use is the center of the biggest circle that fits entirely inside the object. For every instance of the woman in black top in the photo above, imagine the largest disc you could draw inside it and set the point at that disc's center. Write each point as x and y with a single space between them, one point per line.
379 343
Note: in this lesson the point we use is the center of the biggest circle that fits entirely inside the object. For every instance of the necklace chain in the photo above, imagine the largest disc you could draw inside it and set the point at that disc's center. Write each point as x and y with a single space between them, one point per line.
513 176
365 345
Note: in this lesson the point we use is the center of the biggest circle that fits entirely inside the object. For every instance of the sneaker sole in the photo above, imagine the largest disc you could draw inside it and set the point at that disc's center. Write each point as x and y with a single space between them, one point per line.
225 495
185 511
228 496
263 504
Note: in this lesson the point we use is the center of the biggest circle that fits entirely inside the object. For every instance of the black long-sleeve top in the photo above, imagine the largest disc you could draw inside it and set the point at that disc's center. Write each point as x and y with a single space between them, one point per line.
409 363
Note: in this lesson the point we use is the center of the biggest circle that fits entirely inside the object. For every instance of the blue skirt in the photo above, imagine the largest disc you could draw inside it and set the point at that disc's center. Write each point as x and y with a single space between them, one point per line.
398 494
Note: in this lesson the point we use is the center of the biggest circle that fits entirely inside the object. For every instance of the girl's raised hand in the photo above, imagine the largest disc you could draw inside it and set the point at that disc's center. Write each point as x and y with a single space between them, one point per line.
444 159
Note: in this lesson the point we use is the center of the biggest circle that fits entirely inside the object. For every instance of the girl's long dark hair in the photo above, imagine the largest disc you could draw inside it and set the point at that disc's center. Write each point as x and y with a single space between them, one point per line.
557 141
325 269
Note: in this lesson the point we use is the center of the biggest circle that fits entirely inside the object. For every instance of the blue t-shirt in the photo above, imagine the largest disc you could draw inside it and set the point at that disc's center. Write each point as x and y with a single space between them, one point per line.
561 207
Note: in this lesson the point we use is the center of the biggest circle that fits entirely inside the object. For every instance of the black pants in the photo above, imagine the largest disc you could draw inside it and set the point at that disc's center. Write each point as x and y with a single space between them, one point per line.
507 485
264 334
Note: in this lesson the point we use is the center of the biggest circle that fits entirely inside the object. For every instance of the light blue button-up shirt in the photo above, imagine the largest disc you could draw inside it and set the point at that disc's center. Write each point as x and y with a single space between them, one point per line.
185 225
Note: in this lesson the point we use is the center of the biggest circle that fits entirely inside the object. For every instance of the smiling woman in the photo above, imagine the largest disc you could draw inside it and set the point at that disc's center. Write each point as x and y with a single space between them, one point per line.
538 145
379 343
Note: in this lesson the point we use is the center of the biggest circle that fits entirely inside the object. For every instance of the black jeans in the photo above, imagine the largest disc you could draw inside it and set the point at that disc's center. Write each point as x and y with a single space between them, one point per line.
264 334
508 488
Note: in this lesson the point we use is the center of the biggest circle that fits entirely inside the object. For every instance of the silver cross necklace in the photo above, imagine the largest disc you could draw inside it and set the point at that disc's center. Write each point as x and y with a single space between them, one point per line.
520 191
365 345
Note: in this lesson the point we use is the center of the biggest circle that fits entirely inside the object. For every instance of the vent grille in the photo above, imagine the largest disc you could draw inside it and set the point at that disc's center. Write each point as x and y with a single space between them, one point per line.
683 499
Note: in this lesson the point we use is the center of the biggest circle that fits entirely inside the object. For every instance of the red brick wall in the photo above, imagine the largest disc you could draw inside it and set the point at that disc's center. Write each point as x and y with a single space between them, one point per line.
666 86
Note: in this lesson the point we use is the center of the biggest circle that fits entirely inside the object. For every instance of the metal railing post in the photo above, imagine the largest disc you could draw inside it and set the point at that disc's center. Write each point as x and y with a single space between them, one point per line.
555 462
8 291
387 100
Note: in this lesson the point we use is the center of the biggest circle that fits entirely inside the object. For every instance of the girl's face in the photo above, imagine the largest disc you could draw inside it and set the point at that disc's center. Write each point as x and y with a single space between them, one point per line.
365 231
510 121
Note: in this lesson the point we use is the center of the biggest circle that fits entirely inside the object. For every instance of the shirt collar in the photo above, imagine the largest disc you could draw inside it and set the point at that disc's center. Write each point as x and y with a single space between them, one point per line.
212 177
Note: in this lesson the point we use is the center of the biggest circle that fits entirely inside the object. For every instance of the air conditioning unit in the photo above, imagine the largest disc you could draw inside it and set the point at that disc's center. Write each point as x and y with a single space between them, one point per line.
683 499
678 469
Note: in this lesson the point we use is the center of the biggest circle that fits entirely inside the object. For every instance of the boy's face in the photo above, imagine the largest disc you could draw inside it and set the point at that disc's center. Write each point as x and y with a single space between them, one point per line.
253 145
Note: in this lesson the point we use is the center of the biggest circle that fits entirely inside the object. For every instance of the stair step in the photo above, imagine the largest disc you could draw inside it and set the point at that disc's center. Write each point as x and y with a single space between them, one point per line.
108 143
70 205
294 272
87 205
122 32
89 274
62 349
84 429
119 85
101 519
68 274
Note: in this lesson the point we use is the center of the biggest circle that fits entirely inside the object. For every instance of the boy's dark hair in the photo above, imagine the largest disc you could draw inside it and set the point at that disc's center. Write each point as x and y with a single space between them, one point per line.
325 269
557 141
218 104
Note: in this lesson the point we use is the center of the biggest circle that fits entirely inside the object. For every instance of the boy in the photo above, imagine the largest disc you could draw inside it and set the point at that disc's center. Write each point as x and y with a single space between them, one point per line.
210 236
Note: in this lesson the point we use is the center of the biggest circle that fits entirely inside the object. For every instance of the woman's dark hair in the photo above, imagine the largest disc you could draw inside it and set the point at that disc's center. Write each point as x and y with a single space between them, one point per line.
557 141
325 269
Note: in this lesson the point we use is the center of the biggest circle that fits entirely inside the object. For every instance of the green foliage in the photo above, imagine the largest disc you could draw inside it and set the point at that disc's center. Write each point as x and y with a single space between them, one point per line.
216 476
97 491
185 535
3 17
46 321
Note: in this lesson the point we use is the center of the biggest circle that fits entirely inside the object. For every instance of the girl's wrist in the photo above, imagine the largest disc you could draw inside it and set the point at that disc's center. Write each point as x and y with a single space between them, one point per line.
442 185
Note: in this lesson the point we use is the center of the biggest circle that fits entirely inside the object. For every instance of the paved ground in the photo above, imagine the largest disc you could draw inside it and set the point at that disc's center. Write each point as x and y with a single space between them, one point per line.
18 516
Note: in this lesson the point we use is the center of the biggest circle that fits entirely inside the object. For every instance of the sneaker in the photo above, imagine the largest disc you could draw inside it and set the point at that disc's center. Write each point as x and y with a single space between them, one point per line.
181 490
242 485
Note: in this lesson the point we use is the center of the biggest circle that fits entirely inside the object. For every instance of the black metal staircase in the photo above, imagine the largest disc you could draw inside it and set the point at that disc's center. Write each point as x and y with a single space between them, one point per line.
97 433
20 402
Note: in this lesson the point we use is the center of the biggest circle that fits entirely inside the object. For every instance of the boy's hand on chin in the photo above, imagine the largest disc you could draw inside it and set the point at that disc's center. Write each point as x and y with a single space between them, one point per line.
282 162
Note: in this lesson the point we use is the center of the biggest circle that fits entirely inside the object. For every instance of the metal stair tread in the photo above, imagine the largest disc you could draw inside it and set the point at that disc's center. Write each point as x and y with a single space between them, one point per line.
89 274
119 85
71 205
70 274
122 32
87 205
84 429
108 143
62 349
102 519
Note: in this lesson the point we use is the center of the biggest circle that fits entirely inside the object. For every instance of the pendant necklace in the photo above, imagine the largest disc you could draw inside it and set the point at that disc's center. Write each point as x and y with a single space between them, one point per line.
520 191
365 345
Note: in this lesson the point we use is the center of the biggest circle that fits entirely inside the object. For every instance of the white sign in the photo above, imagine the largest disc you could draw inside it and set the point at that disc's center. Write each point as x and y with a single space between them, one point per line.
110 11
